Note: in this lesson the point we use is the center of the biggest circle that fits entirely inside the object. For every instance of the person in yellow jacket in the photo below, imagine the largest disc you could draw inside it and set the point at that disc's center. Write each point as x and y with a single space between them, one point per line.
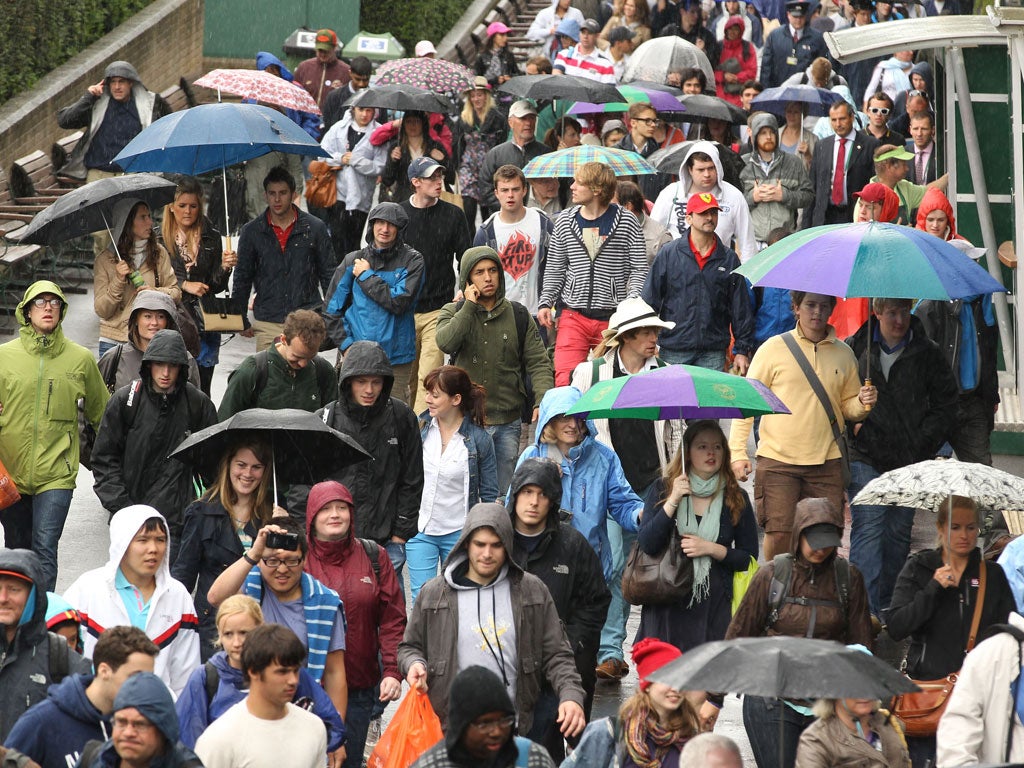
43 375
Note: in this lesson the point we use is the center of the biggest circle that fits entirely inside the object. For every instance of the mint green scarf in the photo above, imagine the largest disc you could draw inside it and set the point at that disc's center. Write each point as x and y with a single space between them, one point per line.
706 527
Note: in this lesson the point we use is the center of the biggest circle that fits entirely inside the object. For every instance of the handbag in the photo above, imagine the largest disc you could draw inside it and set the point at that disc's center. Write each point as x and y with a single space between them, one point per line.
658 579
741 583
218 314
920 712
322 185
8 490
819 390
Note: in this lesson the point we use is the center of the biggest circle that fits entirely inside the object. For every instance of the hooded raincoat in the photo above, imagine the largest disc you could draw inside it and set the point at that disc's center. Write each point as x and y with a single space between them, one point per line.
356 179
784 169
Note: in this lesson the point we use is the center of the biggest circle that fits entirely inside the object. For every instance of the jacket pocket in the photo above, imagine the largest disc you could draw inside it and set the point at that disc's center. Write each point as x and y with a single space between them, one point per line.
60 400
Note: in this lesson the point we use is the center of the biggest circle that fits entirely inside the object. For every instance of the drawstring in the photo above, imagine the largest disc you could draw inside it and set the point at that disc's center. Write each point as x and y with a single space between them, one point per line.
500 655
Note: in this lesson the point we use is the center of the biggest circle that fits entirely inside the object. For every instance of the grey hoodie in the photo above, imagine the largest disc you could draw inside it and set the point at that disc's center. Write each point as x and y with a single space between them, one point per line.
785 169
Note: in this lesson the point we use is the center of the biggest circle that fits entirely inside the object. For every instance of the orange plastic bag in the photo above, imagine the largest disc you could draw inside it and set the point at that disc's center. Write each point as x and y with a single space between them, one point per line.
412 731
8 490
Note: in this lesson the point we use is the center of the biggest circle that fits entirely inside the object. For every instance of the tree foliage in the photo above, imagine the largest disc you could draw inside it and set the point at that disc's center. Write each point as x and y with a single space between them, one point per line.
412 20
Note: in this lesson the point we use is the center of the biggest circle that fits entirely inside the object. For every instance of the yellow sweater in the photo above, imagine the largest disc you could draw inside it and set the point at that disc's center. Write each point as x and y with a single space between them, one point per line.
804 436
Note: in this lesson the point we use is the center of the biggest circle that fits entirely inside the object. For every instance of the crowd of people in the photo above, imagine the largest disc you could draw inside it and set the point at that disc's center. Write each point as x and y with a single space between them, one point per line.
236 623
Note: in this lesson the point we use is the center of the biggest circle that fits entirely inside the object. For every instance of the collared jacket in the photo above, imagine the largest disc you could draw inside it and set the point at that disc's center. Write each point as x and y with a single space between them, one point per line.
778 52
784 169
543 653
356 180
481 464
284 281
41 380
205 269
306 388
828 743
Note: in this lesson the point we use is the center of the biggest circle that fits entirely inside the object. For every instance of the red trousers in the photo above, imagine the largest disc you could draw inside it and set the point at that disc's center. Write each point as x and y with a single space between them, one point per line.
577 335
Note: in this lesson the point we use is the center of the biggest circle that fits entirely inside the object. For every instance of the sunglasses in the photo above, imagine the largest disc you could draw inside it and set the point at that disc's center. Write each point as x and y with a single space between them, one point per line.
878 110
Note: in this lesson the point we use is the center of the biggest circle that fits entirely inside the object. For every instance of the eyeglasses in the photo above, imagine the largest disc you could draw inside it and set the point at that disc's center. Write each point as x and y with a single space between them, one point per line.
275 562
878 110
647 120
140 726
922 94
55 303
490 726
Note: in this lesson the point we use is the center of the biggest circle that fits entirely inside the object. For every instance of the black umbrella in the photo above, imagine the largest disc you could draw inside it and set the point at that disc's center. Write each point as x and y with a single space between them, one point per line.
700 107
88 209
561 87
400 97
305 450
668 159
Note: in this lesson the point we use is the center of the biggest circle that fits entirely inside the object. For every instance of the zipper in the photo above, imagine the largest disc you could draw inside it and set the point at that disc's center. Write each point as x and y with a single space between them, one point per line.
49 395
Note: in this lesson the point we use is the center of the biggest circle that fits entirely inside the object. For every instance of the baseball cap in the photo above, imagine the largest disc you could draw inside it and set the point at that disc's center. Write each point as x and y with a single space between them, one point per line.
591 26
326 40
424 48
16 575
621 33
822 536
899 153
701 202
569 28
497 28
522 108
423 167
872 193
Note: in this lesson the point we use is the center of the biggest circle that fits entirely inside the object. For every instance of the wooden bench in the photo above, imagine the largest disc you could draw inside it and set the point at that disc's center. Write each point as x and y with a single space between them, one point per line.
33 180
60 152
11 210
176 98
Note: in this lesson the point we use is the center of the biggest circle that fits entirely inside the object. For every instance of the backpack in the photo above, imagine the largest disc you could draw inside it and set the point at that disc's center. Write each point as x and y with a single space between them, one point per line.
321 186
92 749
326 380
782 579
59 658
522 751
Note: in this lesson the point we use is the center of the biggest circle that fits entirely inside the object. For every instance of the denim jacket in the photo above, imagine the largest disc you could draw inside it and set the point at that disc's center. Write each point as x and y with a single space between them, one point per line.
483 467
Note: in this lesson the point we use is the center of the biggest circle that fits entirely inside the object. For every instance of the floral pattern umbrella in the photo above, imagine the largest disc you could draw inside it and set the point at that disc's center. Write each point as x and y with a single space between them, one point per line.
564 162
260 86
926 485
437 75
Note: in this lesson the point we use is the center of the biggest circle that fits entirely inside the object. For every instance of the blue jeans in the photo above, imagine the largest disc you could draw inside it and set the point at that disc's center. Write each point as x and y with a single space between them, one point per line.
506 450
396 554
36 523
103 347
613 633
423 553
879 540
357 723
704 358
761 720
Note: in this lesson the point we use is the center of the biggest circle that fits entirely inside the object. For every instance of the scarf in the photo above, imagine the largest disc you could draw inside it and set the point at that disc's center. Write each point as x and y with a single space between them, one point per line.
139 253
642 733
186 248
706 527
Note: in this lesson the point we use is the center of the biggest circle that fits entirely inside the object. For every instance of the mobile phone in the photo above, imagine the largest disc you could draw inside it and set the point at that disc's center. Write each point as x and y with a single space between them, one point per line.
289 541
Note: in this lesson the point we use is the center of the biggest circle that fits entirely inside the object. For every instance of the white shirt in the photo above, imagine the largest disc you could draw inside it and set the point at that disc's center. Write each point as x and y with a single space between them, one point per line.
517 245
445 498
239 739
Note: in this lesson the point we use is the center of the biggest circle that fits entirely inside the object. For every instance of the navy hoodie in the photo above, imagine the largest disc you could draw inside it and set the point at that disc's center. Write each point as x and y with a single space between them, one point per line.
54 731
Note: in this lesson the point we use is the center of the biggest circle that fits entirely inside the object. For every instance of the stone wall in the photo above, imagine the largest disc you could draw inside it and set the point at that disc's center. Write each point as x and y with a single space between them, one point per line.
164 42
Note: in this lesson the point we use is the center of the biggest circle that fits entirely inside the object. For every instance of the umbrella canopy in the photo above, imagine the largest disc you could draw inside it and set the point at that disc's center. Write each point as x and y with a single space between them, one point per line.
633 94
213 136
817 101
260 86
400 97
784 667
305 449
654 59
560 87
869 259
89 208
678 392
927 483
700 107
668 160
564 162
437 75
382 47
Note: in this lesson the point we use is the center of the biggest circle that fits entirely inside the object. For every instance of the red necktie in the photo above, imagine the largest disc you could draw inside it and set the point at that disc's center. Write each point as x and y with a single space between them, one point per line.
839 177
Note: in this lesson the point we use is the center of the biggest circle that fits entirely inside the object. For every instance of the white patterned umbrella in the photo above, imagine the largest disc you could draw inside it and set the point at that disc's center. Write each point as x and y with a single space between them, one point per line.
926 484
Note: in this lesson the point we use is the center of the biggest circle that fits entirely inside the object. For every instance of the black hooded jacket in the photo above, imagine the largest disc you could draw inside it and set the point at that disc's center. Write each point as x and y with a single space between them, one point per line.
386 490
140 428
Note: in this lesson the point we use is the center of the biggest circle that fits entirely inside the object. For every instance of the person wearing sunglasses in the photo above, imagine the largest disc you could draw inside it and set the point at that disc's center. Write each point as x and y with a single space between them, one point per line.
879 109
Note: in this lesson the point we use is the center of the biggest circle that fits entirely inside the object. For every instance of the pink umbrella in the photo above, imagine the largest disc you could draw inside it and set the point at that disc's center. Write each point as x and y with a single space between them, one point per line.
259 86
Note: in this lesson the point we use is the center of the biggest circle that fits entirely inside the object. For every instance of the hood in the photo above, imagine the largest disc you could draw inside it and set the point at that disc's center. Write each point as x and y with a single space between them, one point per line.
123 526
26 563
735 21
120 69
147 693
811 512
152 301
119 218
709 149
934 199
365 358
392 213
265 59
474 256
764 120
554 403
543 473
69 697
59 610
38 287
321 494
167 346
486 515
475 691
924 69
844 91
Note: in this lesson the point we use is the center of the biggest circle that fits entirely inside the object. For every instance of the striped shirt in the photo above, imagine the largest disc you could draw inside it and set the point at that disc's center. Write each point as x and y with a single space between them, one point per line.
596 65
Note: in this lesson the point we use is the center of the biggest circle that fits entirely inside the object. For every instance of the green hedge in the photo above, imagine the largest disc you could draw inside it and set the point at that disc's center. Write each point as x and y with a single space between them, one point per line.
38 35
412 20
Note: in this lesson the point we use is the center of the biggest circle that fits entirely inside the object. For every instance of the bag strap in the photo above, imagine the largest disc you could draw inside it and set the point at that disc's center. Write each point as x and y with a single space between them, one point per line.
212 676
372 549
816 386
259 380
979 601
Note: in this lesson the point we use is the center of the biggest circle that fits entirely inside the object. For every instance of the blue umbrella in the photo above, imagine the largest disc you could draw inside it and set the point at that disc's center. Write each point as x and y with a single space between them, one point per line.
774 100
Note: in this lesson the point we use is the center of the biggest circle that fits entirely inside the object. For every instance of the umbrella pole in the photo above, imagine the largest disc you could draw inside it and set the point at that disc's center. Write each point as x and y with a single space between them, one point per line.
113 240
227 223
274 473
867 359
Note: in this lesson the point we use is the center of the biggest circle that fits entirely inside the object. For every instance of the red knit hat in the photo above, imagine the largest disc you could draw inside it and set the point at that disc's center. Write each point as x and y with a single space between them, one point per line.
650 655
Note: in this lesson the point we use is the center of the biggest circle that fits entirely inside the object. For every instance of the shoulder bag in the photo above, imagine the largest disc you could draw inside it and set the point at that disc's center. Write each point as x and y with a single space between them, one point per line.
921 711
658 579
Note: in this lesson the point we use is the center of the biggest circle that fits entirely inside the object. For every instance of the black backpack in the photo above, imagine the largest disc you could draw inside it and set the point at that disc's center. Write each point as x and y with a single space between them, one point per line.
782 579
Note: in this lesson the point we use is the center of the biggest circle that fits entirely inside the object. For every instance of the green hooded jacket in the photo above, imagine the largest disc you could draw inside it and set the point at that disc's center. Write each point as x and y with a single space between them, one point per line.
41 380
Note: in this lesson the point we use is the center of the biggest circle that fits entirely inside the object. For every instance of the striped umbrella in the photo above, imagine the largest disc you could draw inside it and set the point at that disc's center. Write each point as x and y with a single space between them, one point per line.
564 162
633 94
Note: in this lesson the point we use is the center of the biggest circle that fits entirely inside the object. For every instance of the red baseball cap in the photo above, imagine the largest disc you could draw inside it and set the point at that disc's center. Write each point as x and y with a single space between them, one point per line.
701 202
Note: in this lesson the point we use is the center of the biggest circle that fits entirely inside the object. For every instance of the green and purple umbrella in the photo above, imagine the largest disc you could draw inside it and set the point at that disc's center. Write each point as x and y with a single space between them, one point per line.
564 162
677 392
660 101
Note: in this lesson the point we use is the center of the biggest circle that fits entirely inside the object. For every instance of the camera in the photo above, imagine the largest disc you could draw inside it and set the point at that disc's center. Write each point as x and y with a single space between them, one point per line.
289 541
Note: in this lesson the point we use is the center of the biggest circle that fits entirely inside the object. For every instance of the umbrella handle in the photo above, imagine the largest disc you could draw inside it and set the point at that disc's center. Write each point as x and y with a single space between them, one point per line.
867 383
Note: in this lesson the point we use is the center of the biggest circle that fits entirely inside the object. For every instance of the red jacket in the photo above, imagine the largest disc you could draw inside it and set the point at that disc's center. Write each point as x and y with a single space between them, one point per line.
744 53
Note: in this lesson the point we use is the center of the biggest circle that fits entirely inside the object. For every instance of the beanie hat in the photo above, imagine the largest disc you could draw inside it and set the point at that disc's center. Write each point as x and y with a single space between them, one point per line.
475 691
650 655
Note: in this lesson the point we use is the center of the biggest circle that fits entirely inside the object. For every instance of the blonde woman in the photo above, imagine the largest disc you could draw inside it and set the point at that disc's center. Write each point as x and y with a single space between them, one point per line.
634 15
852 732
480 128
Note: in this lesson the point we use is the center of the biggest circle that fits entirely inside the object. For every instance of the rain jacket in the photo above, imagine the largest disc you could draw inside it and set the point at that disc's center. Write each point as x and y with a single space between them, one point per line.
830 743
140 429
734 222
307 121
308 388
740 51
593 483
386 490
374 606
89 110
128 359
817 581
41 380
357 180
54 731
25 661
487 345
379 305
172 622
785 169
195 712
542 649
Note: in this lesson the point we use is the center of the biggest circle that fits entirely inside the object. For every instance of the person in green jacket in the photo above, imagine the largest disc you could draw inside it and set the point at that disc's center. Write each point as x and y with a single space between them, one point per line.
43 376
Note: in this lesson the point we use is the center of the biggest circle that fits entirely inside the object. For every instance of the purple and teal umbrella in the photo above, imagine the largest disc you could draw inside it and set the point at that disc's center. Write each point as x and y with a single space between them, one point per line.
677 392
869 259
660 101
564 162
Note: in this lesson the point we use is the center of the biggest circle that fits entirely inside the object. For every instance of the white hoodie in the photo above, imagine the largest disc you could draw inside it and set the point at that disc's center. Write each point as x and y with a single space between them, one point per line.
734 222
171 623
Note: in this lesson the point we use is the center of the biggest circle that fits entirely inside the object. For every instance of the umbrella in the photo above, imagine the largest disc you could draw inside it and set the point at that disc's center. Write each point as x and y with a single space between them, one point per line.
633 94
86 209
927 483
564 162
678 392
669 159
700 107
400 97
438 75
654 59
304 449
559 87
774 100
259 86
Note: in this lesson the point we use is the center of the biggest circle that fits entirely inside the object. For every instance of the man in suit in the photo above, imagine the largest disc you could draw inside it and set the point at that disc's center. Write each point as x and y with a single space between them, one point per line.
791 48
842 164
923 168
